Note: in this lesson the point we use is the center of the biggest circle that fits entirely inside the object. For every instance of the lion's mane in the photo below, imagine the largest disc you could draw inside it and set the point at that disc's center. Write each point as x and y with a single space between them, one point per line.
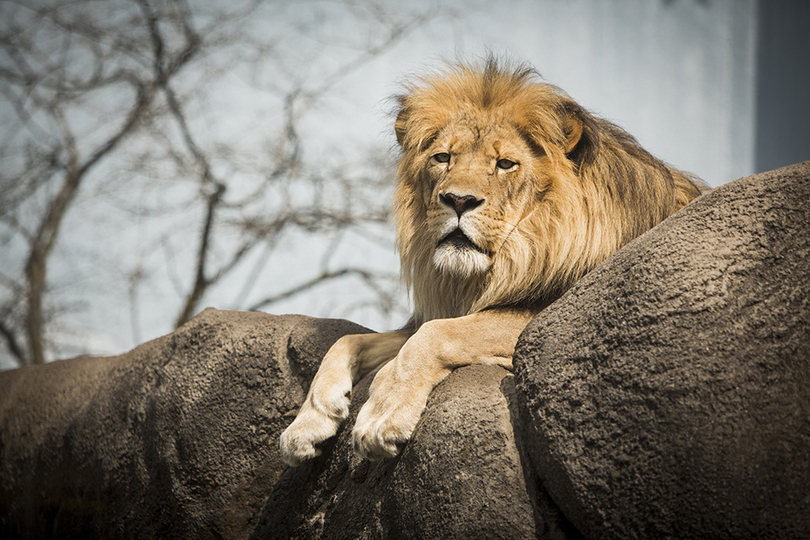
594 189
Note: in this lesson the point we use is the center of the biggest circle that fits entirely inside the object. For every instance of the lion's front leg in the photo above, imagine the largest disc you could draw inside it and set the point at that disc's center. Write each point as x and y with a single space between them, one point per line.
400 390
325 407
327 402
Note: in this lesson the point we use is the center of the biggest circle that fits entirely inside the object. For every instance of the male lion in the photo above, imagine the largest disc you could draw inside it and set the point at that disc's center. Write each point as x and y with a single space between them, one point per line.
507 193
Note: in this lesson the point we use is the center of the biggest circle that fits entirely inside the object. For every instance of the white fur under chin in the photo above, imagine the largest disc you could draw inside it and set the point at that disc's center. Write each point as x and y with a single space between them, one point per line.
463 263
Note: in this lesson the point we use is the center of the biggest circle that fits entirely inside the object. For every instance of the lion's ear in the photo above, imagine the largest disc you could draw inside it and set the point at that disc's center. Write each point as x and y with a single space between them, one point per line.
400 125
572 127
412 135
581 138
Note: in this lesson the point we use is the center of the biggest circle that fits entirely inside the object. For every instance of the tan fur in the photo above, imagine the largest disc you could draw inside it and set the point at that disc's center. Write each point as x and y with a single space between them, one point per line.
592 188
507 193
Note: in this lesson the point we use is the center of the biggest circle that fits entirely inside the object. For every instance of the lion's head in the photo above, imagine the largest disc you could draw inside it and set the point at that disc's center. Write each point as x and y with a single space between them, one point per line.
508 191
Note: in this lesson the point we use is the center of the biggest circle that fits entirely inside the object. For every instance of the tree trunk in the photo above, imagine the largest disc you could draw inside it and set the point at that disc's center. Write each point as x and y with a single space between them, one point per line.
38 260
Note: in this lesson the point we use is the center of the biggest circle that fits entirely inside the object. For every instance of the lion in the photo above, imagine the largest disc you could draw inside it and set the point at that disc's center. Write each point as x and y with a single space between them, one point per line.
507 193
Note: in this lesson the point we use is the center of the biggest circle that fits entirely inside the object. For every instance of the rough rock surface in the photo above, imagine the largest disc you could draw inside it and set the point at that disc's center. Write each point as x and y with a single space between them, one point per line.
176 439
667 395
179 438
460 477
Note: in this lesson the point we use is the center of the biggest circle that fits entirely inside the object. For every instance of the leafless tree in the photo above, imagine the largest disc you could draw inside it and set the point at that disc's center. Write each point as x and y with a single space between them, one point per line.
105 103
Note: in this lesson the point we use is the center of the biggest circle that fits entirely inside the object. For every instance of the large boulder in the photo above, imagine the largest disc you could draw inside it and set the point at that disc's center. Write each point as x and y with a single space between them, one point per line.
462 476
667 395
176 439
179 439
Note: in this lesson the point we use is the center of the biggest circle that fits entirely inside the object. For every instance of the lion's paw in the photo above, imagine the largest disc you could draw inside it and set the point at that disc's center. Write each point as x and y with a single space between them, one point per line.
298 441
381 431
318 420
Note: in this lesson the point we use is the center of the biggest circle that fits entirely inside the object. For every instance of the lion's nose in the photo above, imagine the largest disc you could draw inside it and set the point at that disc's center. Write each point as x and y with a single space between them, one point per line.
460 203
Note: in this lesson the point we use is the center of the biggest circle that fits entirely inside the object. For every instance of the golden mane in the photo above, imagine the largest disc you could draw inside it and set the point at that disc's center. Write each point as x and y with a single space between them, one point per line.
593 189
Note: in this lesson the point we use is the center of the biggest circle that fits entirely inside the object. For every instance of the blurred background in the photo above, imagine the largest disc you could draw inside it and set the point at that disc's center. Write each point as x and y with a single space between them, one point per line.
160 157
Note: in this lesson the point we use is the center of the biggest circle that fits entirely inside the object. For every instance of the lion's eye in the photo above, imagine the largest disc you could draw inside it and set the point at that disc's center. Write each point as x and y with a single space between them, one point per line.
442 157
505 164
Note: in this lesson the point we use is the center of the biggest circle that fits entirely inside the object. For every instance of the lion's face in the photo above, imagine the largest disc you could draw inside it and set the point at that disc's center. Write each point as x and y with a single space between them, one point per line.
476 190
508 191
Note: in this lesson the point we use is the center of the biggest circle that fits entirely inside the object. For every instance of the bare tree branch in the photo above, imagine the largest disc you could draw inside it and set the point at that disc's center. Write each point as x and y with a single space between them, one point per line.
397 33
13 346
215 192
105 102
201 283
75 172
309 284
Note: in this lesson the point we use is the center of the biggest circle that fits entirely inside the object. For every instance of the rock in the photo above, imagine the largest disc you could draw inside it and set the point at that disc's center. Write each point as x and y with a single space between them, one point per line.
176 439
179 439
667 395
460 477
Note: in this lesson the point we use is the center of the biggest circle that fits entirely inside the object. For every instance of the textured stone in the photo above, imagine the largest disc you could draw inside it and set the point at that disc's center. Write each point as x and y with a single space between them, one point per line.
460 477
667 395
176 439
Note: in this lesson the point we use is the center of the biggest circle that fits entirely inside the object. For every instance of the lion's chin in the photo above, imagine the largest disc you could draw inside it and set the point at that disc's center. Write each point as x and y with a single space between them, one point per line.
461 261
